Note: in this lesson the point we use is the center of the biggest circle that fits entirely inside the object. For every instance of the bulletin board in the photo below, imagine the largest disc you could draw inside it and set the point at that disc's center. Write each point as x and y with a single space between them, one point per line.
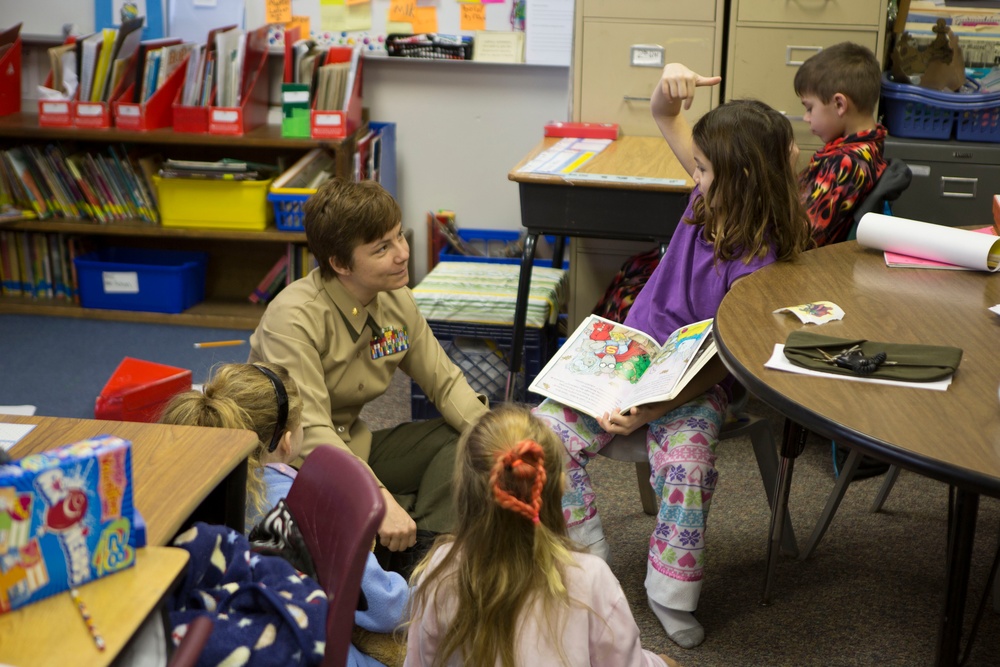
367 23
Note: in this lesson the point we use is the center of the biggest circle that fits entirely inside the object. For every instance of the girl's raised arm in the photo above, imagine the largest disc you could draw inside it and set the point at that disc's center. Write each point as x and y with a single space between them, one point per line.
674 92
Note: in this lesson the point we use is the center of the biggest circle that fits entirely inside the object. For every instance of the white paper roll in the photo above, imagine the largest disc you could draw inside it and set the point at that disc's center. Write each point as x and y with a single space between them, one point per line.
973 250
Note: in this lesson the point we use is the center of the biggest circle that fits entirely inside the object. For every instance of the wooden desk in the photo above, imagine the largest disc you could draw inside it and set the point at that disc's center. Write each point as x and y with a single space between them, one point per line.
52 632
629 210
175 469
951 436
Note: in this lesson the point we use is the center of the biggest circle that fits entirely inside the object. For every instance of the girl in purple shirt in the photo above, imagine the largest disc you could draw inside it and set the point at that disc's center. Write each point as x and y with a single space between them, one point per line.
744 213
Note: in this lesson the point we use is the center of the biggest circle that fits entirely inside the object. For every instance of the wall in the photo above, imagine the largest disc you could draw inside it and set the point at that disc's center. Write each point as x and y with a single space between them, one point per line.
461 127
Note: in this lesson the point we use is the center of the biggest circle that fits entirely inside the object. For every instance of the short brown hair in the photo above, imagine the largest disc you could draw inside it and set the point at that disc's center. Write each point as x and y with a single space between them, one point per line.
344 214
847 68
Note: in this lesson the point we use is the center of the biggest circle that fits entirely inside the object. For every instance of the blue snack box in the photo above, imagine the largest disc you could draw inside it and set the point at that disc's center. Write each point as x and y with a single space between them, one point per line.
66 518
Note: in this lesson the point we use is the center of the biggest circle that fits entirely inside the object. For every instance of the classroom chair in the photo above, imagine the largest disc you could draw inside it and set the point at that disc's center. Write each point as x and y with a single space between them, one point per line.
894 180
739 423
337 506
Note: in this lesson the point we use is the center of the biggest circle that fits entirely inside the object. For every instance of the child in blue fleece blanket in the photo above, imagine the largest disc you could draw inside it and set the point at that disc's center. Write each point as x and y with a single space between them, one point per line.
265 399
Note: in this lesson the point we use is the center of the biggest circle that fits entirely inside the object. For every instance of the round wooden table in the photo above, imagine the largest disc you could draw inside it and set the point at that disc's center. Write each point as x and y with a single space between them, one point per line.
951 436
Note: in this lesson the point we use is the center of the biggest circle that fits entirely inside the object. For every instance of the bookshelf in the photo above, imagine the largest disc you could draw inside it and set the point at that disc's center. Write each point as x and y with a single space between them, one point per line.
237 259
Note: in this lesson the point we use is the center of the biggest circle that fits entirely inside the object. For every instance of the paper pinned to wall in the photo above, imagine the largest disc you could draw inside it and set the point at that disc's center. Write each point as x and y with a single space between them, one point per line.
549 32
192 19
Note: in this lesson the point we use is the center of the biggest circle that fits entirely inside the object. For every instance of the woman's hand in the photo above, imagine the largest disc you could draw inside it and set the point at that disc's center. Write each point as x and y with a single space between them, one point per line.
397 530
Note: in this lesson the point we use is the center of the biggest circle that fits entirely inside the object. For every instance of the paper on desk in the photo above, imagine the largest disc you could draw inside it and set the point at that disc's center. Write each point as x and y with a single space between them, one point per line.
817 312
23 410
565 156
11 433
996 309
779 362
925 240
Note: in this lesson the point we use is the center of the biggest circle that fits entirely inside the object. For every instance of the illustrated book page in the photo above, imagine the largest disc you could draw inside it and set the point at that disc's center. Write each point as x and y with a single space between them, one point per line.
605 366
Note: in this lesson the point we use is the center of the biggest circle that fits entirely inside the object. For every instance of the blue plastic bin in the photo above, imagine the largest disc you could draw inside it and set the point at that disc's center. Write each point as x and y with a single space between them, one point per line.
491 241
158 281
918 113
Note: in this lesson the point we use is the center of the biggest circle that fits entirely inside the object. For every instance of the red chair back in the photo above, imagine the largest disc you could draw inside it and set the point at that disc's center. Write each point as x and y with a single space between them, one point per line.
338 507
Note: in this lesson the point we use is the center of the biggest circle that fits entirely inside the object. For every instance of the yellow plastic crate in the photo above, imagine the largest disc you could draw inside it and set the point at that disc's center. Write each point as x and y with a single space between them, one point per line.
214 204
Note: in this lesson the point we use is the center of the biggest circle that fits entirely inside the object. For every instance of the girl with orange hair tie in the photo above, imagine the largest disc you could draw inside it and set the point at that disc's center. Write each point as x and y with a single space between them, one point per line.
508 587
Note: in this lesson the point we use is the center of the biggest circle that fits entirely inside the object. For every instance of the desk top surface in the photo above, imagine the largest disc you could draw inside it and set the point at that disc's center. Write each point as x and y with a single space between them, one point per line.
52 632
952 436
173 467
639 157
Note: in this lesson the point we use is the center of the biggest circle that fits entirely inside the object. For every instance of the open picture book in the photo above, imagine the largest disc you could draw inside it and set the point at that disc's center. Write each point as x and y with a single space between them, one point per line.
605 366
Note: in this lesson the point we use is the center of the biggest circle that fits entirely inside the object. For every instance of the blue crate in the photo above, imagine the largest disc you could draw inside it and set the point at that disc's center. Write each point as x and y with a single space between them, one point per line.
489 241
919 113
158 281
288 213
487 373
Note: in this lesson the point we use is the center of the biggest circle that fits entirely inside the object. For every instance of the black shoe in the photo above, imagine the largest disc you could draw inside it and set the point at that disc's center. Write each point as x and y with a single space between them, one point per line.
404 561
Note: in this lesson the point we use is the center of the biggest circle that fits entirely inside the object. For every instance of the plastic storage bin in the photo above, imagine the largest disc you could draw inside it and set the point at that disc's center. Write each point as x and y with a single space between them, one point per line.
918 113
138 390
213 204
481 351
492 241
159 281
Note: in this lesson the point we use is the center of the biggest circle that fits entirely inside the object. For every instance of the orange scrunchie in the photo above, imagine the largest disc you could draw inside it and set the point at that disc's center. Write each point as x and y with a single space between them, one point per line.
523 461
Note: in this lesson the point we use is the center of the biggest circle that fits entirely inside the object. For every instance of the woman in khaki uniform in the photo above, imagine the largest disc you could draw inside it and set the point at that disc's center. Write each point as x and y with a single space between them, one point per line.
343 330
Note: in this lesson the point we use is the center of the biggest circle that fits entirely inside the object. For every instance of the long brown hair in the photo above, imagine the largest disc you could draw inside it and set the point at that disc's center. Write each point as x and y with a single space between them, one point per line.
501 560
753 203
240 396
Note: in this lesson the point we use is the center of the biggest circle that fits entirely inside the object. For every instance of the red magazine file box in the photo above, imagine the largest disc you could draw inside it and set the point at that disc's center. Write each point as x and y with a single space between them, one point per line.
54 113
157 111
139 390
339 124
10 79
252 111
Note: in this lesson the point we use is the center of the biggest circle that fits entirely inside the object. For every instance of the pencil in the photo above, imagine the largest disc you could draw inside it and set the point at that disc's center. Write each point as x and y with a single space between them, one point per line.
98 640
220 343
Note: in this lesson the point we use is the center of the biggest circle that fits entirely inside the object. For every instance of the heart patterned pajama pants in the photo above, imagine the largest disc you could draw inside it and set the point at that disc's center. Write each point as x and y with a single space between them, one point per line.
681 448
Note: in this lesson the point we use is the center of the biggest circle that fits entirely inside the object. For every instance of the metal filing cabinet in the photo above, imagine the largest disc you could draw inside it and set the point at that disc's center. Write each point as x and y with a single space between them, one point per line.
953 181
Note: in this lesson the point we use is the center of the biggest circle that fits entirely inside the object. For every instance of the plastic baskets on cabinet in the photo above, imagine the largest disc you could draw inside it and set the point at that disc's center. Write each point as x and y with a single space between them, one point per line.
428 46
918 113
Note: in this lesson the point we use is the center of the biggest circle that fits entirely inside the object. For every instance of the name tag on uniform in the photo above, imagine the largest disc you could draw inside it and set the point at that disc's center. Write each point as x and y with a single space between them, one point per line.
391 341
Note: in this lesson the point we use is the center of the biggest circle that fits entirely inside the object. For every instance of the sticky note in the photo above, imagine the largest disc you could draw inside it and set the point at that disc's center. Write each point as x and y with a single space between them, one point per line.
425 19
473 17
278 11
402 10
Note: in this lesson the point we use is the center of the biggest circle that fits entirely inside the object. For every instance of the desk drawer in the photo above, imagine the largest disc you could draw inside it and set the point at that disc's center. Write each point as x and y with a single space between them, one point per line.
674 10
612 90
765 60
953 182
812 12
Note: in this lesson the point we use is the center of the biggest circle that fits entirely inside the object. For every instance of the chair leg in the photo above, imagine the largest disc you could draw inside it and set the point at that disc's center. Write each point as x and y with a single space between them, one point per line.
833 501
883 492
767 462
642 473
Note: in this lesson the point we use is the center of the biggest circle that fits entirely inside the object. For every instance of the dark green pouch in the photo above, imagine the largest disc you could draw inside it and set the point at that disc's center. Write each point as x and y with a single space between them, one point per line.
913 363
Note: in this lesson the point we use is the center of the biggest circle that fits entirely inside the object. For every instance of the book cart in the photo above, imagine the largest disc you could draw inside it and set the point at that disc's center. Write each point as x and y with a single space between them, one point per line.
236 258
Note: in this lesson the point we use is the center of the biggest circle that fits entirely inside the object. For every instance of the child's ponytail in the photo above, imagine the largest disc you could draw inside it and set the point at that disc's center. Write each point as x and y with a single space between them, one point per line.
521 466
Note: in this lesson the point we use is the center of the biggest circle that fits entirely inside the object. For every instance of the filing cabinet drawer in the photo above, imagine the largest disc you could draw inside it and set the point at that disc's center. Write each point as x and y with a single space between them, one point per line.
953 182
765 60
612 90
672 10
814 13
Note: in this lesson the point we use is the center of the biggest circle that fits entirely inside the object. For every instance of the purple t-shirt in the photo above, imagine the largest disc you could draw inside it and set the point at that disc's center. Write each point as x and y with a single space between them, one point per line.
687 285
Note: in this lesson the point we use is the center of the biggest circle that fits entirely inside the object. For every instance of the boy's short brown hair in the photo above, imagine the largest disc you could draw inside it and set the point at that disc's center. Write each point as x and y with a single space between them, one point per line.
847 68
344 214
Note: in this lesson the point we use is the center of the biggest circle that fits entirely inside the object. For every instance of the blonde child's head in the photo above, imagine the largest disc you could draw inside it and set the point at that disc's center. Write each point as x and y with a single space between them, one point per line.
247 396
752 203
839 88
509 546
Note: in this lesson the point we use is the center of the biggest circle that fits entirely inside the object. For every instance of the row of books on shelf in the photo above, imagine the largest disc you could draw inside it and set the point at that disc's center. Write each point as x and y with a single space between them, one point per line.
103 187
296 263
40 266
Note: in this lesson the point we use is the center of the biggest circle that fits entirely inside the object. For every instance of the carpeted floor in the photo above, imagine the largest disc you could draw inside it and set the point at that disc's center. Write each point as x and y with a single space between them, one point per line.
872 593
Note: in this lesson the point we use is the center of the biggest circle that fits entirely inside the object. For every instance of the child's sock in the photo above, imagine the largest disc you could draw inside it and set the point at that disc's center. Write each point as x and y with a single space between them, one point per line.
681 626
591 535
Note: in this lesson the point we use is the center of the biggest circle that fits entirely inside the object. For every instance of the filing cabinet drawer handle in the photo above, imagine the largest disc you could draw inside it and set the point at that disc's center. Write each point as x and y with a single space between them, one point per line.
633 98
954 180
797 63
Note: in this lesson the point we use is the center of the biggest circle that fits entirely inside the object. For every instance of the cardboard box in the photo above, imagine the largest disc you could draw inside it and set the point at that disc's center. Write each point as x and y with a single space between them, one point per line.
66 518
